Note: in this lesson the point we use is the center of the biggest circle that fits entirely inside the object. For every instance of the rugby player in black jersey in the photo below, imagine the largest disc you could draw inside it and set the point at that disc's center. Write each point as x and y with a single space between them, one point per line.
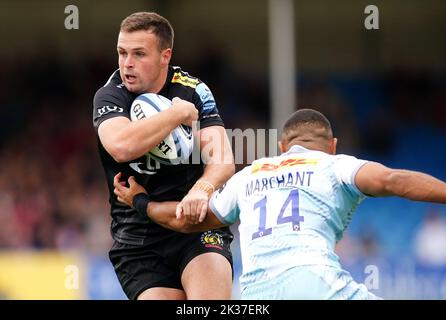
152 262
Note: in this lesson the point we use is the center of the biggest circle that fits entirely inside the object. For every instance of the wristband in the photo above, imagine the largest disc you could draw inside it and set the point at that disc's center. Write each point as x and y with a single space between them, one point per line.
140 203
204 186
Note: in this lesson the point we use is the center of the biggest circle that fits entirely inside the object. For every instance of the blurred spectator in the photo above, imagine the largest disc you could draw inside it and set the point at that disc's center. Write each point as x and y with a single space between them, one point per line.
430 240
348 250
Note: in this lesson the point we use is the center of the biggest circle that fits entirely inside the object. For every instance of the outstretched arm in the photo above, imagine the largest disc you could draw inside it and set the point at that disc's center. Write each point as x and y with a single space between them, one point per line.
377 180
166 213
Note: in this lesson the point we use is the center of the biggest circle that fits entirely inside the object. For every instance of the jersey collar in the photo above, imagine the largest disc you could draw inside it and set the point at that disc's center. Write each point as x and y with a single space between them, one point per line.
296 149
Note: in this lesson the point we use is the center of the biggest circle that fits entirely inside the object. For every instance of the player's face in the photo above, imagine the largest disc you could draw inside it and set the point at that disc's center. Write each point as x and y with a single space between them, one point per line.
142 65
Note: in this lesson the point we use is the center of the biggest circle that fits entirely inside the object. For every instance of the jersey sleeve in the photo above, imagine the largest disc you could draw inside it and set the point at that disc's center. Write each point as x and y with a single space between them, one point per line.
109 104
345 168
207 108
224 201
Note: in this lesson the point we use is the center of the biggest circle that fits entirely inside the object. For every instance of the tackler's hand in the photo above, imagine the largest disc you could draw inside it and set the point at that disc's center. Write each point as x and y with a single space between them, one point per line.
126 194
194 206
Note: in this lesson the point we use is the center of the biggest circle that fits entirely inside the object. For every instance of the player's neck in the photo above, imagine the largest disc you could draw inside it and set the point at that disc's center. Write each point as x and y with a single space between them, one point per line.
159 84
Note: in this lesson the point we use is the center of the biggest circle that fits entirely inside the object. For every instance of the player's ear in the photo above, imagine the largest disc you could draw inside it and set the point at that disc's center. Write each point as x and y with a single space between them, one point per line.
281 147
166 54
333 144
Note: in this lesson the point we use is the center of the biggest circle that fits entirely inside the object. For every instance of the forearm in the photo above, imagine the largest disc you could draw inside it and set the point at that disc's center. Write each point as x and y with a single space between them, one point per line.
218 174
416 186
218 156
138 137
163 213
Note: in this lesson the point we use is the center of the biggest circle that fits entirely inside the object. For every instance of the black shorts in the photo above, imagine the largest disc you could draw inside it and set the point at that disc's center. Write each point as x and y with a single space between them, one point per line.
161 264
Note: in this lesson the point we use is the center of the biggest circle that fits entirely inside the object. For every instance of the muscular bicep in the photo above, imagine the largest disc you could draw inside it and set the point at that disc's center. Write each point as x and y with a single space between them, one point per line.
371 179
108 133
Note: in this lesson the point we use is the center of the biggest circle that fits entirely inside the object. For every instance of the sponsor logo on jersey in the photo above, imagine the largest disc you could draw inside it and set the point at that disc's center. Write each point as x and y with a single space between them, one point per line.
212 239
151 166
137 167
206 97
185 80
107 109
208 105
290 162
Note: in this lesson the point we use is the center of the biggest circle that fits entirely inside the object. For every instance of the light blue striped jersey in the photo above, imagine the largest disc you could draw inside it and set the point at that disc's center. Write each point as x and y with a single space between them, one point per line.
292 209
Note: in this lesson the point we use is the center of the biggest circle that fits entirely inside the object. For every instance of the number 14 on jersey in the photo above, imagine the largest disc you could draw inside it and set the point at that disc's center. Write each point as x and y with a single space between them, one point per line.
292 200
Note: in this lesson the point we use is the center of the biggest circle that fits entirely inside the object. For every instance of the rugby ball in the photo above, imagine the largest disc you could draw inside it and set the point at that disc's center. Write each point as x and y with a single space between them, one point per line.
178 145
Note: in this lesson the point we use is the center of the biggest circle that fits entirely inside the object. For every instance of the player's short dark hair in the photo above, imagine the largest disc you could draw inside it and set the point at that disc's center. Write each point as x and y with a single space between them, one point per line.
308 117
152 21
